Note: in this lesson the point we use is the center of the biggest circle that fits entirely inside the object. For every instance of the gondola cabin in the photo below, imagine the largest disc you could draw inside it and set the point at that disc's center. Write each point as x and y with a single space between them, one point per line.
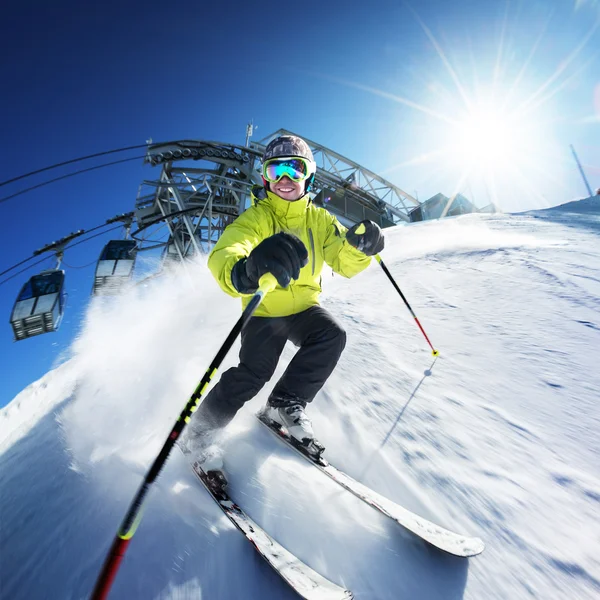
115 267
40 305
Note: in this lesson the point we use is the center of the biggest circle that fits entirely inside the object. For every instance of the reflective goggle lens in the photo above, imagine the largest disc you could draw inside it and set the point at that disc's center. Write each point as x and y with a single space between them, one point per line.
296 169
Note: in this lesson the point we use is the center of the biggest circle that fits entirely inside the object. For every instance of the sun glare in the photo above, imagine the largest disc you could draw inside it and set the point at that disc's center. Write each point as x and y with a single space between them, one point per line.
494 151
486 139
493 136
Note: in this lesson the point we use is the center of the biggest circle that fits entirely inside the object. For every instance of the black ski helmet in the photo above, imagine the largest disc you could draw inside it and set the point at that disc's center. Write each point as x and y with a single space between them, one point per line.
290 146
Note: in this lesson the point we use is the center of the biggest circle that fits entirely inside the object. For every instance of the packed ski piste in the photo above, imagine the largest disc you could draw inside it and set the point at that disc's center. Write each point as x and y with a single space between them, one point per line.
272 257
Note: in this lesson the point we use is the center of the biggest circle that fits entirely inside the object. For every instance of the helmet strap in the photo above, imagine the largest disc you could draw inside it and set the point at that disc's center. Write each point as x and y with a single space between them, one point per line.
308 184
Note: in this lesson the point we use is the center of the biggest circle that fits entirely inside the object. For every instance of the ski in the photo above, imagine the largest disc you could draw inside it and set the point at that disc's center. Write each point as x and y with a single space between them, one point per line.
443 539
308 584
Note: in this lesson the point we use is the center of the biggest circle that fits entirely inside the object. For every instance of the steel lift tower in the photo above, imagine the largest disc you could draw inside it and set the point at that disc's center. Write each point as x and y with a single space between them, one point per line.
204 185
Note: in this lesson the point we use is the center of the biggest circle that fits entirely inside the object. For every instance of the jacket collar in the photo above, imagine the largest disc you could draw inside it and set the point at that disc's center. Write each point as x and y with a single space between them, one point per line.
282 208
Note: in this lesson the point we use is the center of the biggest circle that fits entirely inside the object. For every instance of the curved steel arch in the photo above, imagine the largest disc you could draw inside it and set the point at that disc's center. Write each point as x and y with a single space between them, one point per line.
197 201
336 172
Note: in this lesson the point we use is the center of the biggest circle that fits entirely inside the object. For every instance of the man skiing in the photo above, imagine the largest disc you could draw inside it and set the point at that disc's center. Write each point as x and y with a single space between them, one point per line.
284 234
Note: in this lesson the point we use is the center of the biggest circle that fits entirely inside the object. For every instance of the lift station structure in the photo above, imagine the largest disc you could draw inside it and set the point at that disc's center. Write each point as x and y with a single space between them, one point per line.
197 201
201 188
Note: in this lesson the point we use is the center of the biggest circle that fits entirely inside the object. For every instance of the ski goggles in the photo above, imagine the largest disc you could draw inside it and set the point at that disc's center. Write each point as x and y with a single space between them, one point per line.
297 169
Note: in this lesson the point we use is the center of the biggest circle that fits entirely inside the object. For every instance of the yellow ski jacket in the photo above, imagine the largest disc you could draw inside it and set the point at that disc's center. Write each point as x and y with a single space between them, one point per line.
322 234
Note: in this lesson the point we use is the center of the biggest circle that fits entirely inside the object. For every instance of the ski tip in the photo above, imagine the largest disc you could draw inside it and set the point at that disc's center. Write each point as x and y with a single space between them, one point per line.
474 547
467 547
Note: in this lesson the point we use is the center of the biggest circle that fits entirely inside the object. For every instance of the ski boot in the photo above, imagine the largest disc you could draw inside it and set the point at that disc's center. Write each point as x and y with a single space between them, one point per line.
210 462
288 413
200 447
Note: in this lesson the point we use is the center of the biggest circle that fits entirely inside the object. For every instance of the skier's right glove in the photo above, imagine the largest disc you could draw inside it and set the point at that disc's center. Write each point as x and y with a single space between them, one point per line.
282 254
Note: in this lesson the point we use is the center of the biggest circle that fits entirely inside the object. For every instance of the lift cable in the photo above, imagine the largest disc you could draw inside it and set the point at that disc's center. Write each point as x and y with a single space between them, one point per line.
39 185
64 262
17 265
87 240
70 246
94 236
25 269
68 162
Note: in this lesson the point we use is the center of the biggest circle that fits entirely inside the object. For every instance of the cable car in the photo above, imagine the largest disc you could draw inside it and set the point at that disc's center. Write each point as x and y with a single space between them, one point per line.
115 267
40 305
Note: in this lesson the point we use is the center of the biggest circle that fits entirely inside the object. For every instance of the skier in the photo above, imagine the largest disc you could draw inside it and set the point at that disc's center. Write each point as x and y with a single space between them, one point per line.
282 233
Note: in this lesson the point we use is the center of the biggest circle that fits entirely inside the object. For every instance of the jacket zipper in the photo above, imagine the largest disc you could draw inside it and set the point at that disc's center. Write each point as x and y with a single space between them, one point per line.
312 248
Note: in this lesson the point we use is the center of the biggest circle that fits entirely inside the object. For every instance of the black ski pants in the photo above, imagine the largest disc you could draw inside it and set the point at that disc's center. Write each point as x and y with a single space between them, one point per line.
321 341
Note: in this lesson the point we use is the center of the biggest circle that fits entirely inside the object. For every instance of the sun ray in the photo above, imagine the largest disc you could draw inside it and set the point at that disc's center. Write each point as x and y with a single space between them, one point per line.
529 58
494 197
553 175
460 184
476 82
566 81
560 69
497 66
417 160
441 54
525 183
388 95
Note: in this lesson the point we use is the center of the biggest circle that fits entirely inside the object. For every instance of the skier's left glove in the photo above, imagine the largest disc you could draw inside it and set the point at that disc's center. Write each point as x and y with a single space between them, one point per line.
366 236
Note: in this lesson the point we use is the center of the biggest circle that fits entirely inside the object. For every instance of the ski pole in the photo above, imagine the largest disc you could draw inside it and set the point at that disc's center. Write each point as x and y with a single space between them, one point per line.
385 270
134 513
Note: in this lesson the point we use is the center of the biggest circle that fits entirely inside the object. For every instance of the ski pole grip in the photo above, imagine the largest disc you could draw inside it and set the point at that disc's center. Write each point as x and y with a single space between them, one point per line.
266 284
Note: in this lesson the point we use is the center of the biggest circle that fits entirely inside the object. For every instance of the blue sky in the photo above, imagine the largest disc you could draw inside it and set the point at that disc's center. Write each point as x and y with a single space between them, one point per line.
382 83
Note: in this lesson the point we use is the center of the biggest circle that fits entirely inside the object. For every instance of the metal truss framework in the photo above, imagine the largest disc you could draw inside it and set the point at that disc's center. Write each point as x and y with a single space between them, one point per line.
335 170
197 201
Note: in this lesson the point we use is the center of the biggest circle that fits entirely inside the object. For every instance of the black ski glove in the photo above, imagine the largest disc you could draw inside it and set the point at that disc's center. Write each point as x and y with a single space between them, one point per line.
366 236
282 254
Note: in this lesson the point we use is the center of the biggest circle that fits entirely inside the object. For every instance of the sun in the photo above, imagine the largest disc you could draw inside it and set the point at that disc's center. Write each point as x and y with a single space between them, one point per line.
486 139
488 128
493 127
490 147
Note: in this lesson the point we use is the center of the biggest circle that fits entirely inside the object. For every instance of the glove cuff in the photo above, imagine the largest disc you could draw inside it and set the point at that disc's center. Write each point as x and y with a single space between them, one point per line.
240 280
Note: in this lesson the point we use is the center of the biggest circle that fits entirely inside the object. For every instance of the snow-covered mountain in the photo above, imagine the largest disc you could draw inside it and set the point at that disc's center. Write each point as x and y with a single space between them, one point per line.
499 437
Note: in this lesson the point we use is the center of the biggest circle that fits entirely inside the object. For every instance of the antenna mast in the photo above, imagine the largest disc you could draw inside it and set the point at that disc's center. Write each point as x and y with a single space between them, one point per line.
249 131
587 185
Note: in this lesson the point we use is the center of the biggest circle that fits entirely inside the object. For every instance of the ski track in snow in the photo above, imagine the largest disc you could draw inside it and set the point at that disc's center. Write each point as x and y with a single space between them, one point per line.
498 437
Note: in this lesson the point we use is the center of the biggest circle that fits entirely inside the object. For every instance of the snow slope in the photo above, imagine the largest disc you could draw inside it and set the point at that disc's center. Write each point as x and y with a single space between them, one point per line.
498 437
588 205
